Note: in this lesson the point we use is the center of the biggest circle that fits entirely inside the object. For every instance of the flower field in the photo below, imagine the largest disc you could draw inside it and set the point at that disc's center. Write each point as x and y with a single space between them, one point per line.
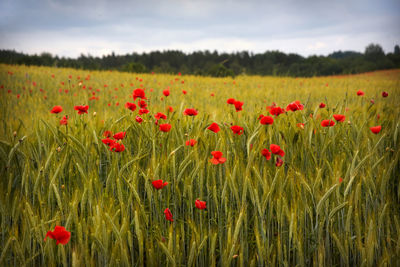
116 169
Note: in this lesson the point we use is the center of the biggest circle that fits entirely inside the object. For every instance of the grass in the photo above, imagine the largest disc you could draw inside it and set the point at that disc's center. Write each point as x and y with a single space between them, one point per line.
257 214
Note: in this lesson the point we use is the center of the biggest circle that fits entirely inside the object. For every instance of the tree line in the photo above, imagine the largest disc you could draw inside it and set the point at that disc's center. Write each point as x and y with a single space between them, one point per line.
217 64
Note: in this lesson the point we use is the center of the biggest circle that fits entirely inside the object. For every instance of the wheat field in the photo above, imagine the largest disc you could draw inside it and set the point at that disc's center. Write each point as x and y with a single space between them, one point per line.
332 199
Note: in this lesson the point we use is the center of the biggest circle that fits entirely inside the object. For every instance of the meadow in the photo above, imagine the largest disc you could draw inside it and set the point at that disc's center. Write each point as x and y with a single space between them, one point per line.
287 189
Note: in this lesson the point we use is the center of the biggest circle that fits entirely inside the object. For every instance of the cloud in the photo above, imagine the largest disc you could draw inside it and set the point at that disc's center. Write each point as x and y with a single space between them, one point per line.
69 28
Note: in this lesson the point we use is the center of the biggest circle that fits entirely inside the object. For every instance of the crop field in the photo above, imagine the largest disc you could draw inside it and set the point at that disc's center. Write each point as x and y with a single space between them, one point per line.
117 169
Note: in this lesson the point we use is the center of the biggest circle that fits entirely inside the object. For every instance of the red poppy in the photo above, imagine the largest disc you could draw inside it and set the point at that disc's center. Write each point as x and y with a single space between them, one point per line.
81 109
340 180
170 109
138 93
56 109
139 119
165 127
108 141
159 184
360 93
214 127
339 117
201 205
131 106
117 147
237 129
217 157
190 112
278 162
265 152
267 120
238 105
60 234
107 134
296 105
376 129
168 215
119 135
184 92
231 101
64 120
322 105
276 111
142 104
275 149
143 111
166 92
327 123
160 115
384 94
191 142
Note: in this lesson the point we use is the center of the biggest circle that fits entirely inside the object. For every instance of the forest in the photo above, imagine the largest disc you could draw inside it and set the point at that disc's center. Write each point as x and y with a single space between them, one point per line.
217 64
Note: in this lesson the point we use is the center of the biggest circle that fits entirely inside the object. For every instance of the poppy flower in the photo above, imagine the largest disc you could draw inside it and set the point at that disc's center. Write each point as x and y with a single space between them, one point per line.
131 106
339 117
265 152
238 106
159 184
217 157
327 123
56 109
138 93
117 147
322 105
190 112
108 141
168 215
119 135
237 129
142 104
60 234
170 109
231 101
139 119
165 127
268 108
267 120
360 93
160 115
64 120
184 92
340 180
81 109
278 162
300 125
384 94
296 105
276 111
201 205
376 129
143 111
107 134
166 92
275 149
214 127
191 142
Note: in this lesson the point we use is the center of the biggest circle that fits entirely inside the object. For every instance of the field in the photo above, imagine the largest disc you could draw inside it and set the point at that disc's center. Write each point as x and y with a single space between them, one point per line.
327 196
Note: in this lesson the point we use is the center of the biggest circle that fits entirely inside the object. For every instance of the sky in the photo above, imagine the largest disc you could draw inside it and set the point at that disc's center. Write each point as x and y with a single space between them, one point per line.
98 27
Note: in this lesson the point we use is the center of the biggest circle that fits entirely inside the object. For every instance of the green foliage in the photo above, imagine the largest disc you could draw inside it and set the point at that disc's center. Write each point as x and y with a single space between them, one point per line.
134 67
209 63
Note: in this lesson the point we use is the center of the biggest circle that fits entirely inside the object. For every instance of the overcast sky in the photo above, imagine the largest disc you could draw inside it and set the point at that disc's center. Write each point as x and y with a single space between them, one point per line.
97 27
